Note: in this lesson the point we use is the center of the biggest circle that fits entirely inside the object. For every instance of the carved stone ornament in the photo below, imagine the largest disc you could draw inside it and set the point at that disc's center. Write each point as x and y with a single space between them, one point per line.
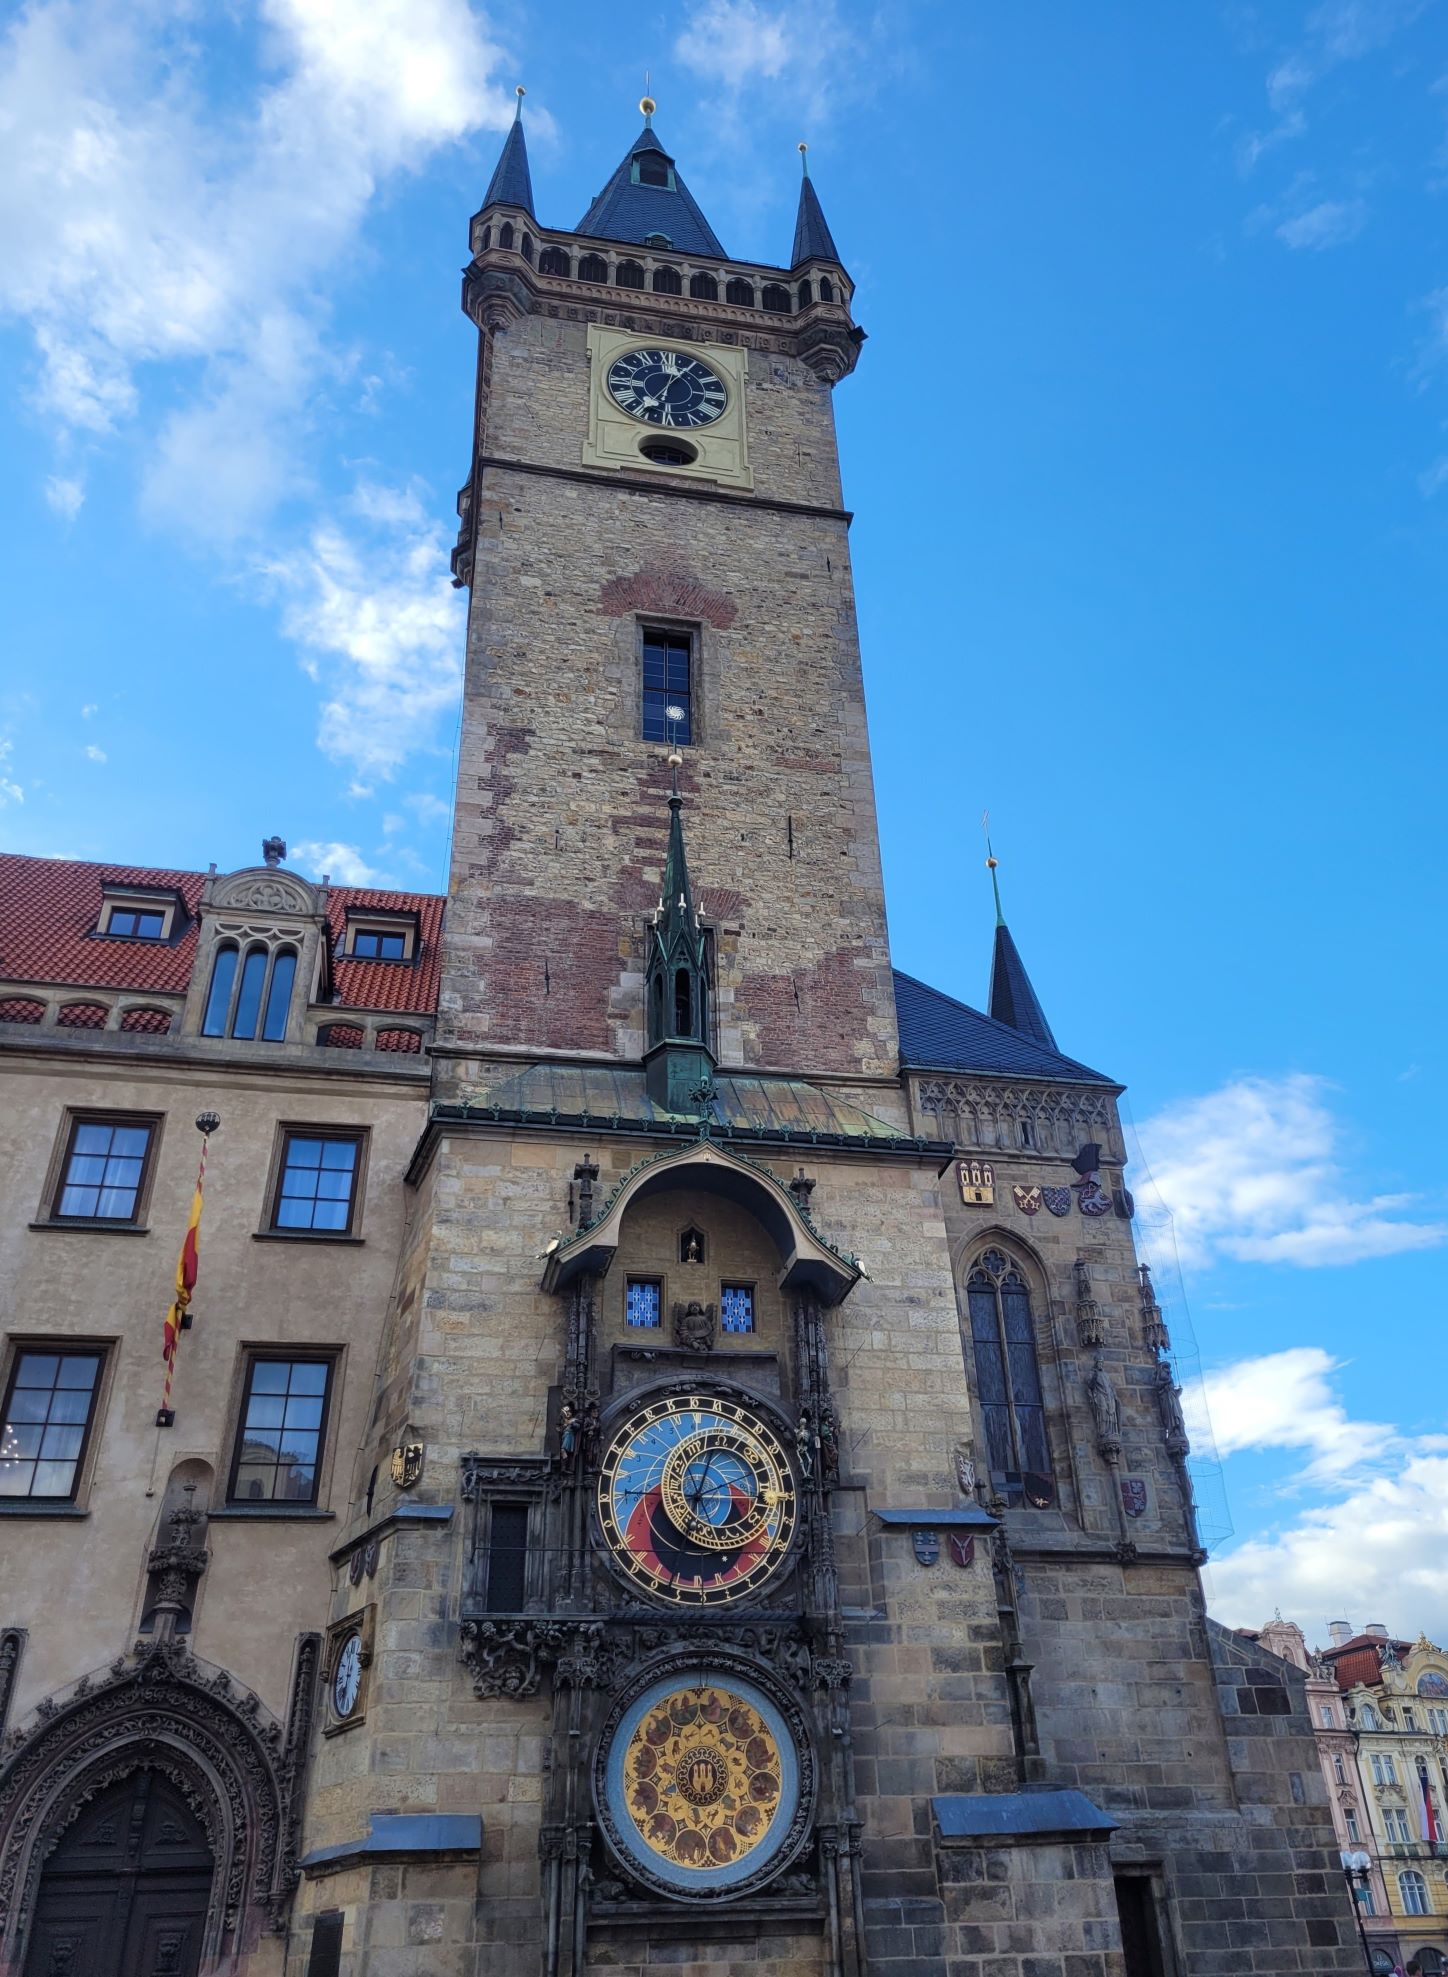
964 1469
694 1326
12 1646
266 890
1105 1411
1089 1328
160 1709
406 1464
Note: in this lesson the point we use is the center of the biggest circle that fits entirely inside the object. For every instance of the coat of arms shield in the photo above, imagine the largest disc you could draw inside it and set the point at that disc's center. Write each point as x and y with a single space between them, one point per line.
927 1545
1028 1200
1058 1200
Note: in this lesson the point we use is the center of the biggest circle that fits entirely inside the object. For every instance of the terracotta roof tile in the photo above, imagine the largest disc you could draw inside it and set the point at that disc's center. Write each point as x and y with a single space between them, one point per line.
49 908
1359 1660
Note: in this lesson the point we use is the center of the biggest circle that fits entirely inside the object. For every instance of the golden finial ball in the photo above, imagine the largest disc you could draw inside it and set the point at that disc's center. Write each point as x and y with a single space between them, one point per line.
991 863
676 760
647 105
802 147
520 90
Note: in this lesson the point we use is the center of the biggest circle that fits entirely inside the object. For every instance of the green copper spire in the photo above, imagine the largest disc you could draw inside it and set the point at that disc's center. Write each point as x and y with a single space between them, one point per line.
678 1059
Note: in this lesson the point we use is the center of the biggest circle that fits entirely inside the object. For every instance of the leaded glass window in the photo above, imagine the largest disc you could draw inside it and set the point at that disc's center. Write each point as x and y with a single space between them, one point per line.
643 1301
1008 1381
736 1307
667 666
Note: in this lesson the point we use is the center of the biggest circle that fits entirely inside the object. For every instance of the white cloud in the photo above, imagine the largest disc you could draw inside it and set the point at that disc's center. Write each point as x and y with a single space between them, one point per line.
734 41
1251 1172
824 55
1330 223
343 863
65 495
430 809
91 707
380 626
94 754
10 791
148 220
1285 1400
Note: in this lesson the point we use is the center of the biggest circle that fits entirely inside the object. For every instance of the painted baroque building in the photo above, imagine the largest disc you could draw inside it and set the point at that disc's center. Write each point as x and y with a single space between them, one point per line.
1379 1710
676 1462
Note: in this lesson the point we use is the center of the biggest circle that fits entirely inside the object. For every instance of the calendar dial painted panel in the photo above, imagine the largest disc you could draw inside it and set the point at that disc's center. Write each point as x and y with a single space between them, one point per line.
696 1500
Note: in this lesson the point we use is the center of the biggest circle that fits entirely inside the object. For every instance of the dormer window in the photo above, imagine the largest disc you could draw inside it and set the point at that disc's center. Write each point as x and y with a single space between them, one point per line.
657 240
380 937
653 168
128 915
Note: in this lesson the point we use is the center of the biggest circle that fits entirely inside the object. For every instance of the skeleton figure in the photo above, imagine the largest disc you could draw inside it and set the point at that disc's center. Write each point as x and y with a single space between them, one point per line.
804 1445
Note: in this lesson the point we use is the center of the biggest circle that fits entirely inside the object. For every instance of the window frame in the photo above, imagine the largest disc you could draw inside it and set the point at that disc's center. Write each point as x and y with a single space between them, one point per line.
1420 1892
681 631
72 1120
373 921
274 1354
122 899
52 1347
1015 1494
289 1130
752 1290
660 1285
492 1551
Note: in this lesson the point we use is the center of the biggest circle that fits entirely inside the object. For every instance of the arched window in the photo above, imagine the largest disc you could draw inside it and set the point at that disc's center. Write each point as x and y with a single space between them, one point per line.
683 1004
628 274
279 996
1414 1891
668 281
248 996
592 267
485 240
740 291
505 234
1339 1770
806 294
527 246
776 299
657 240
553 261
1008 1381
703 288
218 1000
827 289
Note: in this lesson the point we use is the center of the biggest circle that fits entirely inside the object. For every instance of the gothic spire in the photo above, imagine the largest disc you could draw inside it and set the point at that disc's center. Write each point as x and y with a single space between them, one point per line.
676 984
511 183
1012 999
813 240
646 201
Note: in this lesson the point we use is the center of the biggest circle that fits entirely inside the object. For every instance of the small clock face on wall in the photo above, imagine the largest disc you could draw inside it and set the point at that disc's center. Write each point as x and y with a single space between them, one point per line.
667 388
347 1677
696 1499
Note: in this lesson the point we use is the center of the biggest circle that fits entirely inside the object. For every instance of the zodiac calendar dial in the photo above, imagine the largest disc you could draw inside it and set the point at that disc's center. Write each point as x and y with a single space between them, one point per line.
696 1499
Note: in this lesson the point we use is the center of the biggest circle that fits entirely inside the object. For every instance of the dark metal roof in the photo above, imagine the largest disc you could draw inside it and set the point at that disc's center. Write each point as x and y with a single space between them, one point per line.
1012 999
813 240
940 1034
511 183
626 211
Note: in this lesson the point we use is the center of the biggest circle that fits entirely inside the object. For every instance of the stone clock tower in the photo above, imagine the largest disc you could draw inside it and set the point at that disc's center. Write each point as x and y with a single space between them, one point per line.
758 1489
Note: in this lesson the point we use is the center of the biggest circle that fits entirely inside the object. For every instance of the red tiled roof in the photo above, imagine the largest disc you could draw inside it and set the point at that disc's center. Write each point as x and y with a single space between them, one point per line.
49 908
1359 1659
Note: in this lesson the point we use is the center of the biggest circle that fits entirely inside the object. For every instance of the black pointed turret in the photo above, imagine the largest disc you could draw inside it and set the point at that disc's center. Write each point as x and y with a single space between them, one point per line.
678 1059
647 202
813 240
512 183
1012 999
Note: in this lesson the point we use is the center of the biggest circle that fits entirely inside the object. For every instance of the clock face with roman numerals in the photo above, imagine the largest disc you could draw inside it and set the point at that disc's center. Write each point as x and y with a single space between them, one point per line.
667 388
697 1499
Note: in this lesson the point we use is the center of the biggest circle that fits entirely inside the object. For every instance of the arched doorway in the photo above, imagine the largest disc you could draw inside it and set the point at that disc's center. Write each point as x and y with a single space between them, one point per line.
125 1892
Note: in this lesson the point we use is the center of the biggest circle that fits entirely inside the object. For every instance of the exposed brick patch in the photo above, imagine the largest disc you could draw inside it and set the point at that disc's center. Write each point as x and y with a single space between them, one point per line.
673 593
821 1009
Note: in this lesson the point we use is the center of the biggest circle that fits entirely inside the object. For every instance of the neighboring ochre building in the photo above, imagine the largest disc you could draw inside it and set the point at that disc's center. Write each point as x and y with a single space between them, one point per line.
676 1462
1380 1710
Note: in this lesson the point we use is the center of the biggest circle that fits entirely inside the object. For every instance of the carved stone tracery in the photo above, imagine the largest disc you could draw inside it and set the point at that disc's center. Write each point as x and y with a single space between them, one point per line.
160 1709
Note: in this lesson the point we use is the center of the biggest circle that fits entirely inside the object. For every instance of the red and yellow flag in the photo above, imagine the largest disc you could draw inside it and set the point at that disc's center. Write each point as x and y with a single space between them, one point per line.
186 1267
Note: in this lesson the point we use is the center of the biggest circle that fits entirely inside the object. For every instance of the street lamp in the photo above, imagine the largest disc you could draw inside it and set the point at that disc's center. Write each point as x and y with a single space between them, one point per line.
1357 1867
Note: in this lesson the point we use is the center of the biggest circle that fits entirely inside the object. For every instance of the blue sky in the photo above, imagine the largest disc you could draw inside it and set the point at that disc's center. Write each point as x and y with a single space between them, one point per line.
1149 453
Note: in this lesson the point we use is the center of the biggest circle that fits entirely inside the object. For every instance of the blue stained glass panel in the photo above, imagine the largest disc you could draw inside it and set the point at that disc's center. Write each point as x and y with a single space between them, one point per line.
641 1302
736 1306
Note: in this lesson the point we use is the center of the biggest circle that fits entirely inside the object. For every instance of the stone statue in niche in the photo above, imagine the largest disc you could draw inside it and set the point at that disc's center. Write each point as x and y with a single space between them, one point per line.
694 1326
691 1246
568 1427
1105 1407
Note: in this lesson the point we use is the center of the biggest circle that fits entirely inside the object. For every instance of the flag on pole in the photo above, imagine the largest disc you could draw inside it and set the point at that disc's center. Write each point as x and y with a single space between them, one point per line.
1430 1819
186 1267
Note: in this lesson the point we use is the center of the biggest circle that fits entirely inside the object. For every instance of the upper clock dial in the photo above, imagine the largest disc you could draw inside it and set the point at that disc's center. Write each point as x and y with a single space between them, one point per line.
347 1676
697 1500
666 388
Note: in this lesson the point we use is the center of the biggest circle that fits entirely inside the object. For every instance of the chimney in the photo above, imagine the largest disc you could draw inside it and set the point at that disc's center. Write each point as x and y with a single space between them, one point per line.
1340 1632
1376 1627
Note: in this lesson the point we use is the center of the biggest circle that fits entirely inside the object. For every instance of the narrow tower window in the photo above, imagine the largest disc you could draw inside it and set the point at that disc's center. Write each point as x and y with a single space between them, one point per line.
1008 1380
666 661
703 288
